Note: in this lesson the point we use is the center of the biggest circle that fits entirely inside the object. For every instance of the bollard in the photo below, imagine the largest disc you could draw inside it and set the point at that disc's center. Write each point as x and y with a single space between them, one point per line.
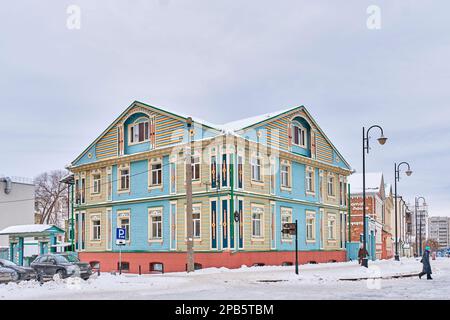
140 273
98 271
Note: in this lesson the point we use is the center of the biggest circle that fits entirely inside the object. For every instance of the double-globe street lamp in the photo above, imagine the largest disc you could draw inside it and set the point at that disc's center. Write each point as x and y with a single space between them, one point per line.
416 204
397 179
382 140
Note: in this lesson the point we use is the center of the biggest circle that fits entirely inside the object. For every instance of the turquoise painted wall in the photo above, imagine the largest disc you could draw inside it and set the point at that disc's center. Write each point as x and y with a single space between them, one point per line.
139 227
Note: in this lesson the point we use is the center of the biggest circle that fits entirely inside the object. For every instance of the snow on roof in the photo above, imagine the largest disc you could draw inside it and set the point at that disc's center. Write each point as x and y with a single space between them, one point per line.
26 228
21 180
246 122
373 182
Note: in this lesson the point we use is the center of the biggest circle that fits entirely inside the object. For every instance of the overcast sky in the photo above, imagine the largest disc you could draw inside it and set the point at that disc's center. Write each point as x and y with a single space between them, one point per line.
225 60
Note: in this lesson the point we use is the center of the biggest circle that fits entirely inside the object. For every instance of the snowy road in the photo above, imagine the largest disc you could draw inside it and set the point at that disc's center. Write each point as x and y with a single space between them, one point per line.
320 281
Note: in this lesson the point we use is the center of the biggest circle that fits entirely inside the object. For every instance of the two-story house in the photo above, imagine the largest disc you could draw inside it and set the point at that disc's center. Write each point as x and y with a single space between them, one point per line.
271 169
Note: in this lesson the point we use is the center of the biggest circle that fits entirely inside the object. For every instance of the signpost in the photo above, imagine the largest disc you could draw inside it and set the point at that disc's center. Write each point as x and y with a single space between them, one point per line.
292 229
121 236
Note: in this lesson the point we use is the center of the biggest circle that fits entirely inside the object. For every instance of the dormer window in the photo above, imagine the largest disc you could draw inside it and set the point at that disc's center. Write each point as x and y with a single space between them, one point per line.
299 135
139 131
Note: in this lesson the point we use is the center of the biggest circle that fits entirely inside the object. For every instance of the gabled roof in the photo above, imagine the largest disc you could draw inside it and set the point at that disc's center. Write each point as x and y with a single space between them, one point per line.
239 125
252 121
232 127
374 182
135 103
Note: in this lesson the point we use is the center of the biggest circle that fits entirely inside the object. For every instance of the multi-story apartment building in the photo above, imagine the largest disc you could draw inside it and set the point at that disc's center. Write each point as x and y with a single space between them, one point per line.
270 169
375 195
439 230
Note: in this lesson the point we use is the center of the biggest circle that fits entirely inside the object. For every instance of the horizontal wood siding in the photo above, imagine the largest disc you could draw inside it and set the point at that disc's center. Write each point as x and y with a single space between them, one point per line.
107 146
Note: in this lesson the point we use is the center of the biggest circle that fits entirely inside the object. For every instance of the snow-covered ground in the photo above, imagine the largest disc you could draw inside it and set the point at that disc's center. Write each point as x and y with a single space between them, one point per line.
322 281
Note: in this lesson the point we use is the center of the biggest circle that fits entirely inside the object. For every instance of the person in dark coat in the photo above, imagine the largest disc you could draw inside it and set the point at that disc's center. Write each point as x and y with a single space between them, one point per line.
362 254
426 264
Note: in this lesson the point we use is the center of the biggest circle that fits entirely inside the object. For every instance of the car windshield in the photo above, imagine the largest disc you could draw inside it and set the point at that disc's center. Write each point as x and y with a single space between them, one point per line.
71 258
7 263
61 259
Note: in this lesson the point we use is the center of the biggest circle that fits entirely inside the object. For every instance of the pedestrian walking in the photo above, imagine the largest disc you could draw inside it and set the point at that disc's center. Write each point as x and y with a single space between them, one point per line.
426 264
362 253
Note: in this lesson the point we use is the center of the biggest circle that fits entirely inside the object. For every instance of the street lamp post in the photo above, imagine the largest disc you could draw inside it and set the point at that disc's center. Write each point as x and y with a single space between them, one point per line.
396 179
382 140
416 204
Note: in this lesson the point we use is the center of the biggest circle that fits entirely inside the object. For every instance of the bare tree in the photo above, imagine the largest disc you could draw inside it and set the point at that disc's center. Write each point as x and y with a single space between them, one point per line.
51 197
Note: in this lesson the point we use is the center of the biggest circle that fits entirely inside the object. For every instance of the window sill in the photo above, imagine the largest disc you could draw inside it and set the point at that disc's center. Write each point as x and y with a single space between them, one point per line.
123 191
286 240
289 189
257 182
155 187
309 193
136 143
311 241
155 240
258 239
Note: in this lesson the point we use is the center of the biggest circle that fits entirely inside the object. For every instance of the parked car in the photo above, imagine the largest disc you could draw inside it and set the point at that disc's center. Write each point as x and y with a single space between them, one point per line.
24 273
63 265
8 275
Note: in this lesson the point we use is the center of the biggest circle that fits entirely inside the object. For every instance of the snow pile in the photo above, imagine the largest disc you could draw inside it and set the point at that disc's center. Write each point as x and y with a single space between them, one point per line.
318 281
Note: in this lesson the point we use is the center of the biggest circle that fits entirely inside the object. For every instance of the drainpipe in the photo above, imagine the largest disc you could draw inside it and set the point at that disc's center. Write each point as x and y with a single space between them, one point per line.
8 186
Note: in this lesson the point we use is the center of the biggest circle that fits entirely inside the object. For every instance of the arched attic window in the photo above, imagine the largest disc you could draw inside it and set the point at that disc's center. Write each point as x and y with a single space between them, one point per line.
299 134
139 130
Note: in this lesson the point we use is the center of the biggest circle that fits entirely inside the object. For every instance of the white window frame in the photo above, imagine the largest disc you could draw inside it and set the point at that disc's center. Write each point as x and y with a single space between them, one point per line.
119 176
332 184
302 139
285 217
152 183
135 126
310 215
194 171
155 213
96 182
310 181
123 215
257 163
96 230
331 227
197 210
285 175
259 210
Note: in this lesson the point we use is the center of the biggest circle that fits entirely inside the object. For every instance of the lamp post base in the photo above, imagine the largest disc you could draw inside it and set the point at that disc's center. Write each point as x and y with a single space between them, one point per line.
365 263
397 257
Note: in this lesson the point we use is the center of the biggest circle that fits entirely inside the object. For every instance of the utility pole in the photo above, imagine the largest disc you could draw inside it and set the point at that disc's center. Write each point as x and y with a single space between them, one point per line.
189 222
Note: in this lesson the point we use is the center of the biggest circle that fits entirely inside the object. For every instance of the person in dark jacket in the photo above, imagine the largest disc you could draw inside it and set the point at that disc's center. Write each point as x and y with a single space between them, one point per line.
426 264
362 253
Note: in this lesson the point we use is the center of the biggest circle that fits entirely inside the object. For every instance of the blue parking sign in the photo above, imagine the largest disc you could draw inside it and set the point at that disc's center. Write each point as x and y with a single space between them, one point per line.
121 233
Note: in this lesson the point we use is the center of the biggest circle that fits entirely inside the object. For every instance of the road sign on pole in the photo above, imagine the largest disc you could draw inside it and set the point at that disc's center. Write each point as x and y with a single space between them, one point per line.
292 229
121 236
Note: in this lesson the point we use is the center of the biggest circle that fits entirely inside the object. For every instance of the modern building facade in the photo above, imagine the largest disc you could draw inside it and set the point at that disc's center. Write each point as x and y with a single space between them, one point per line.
16 203
270 169
439 230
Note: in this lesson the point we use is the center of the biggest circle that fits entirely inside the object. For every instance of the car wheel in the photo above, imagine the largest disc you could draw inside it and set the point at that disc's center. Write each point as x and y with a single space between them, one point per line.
15 277
61 274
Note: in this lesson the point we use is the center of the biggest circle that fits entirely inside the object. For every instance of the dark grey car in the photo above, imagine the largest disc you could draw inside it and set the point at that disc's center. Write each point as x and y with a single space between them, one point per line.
23 273
8 275
63 265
